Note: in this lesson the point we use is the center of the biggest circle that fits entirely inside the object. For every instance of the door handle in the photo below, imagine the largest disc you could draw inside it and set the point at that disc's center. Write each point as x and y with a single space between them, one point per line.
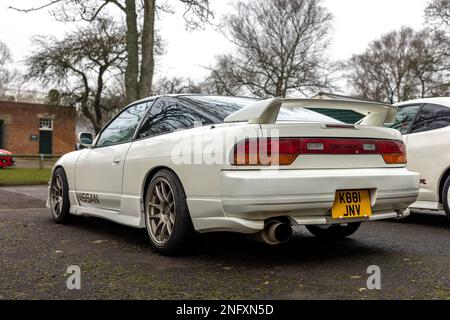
116 162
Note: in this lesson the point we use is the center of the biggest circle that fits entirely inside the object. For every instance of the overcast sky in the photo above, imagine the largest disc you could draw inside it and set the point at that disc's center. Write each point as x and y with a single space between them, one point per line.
357 22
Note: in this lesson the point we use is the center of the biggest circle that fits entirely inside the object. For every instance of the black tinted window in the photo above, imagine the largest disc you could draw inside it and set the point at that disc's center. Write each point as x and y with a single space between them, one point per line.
168 115
346 116
404 118
217 107
122 128
431 117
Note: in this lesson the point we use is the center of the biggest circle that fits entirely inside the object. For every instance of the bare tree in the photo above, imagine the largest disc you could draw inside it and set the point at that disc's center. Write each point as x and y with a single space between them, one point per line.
5 54
13 85
280 48
84 64
140 31
401 65
5 74
221 79
431 63
176 85
437 13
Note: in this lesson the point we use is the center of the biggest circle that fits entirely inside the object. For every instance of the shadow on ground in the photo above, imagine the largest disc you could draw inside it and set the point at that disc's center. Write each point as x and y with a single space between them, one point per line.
230 246
431 219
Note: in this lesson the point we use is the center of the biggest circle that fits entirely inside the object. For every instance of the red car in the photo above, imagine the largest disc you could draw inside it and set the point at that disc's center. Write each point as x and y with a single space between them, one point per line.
5 159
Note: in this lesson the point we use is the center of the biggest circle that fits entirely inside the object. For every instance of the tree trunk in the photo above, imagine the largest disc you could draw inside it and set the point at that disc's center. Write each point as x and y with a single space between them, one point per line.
98 97
148 43
132 70
422 82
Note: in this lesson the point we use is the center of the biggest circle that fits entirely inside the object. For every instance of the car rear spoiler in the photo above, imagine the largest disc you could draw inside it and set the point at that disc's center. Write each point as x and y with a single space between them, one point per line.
266 111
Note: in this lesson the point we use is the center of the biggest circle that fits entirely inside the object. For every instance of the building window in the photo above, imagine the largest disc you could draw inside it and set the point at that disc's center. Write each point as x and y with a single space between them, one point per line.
46 124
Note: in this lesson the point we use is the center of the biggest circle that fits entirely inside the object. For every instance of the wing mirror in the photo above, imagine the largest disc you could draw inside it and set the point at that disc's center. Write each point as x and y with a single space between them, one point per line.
86 139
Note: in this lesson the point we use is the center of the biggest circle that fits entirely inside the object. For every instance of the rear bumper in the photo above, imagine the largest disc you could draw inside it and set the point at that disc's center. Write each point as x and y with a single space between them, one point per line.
305 196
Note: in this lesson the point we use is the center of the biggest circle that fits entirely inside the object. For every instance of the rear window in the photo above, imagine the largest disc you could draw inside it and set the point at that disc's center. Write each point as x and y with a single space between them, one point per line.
346 116
217 106
303 115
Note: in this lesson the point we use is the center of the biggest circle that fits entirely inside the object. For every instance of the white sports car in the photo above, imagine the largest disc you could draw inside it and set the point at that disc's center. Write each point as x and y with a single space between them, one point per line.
177 165
425 125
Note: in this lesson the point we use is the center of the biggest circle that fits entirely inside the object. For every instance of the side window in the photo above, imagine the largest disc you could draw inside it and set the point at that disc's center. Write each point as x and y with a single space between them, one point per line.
122 128
404 118
168 115
431 117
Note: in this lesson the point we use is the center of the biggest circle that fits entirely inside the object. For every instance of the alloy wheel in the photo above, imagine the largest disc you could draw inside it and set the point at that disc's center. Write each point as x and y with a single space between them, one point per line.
160 211
56 199
448 197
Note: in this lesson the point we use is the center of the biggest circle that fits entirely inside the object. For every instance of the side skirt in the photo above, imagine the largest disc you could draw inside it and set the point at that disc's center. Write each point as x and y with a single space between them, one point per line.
427 205
106 214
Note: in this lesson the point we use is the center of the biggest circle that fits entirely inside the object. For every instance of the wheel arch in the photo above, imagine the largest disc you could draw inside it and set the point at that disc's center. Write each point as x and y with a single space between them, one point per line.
442 180
149 176
57 167
68 163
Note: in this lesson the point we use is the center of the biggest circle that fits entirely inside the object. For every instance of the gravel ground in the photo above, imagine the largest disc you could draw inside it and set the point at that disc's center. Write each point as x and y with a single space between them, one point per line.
117 262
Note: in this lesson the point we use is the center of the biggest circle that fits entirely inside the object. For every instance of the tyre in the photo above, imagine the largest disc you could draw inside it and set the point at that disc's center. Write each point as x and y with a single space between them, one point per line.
446 197
167 219
334 232
59 197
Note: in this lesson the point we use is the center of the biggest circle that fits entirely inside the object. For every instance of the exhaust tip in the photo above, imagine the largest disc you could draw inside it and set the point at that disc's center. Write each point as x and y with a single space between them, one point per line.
283 232
277 232
402 213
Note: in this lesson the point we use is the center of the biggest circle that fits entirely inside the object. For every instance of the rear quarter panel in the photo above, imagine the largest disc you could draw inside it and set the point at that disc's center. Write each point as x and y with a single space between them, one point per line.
196 155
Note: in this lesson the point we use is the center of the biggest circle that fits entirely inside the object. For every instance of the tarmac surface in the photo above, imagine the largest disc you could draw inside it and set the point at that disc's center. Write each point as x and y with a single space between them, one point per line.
117 262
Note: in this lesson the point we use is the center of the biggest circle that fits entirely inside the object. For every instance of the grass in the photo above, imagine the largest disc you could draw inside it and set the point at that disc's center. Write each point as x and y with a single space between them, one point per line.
16 176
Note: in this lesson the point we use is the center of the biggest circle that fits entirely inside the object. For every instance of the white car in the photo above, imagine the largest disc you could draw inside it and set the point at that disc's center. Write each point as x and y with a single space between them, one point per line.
425 125
177 165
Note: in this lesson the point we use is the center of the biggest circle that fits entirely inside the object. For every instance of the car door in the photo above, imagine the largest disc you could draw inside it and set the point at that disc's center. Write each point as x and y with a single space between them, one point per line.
99 170
153 147
428 142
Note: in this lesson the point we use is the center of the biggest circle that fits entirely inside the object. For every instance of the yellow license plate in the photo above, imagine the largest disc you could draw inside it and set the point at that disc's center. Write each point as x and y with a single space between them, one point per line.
350 204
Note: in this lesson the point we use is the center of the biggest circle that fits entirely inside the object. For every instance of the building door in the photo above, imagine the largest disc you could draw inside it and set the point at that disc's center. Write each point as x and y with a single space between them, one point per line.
45 135
45 142
2 134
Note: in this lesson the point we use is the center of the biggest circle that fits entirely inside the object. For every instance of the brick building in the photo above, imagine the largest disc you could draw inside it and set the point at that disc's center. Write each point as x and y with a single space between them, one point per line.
27 128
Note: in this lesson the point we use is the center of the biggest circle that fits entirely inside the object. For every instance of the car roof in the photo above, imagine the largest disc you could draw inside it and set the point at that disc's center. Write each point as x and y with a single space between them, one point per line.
444 101
175 95
155 97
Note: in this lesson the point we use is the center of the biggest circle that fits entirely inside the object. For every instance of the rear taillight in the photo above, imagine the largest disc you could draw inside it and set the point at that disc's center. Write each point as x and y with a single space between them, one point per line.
266 152
393 151
284 151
